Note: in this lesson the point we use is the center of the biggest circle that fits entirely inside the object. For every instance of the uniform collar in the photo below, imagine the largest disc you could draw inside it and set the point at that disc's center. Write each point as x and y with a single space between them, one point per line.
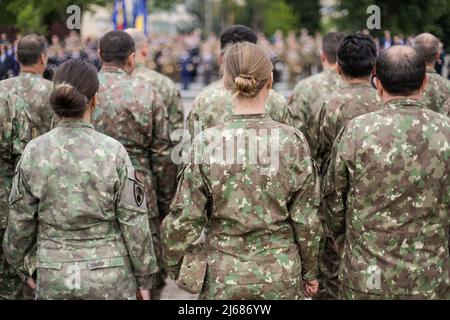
358 85
257 116
75 124
110 69
405 103
30 75
431 70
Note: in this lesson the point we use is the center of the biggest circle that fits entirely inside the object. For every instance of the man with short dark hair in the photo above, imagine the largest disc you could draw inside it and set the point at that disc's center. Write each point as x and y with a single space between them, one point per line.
309 93
166 88
438 90
356 59
214 103
132 112
387 190
30 85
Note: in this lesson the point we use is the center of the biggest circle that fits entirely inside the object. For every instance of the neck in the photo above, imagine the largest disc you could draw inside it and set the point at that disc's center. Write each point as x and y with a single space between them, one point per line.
356 80
140 59
113 66
388 98
31 69
431 66
249 105
327 65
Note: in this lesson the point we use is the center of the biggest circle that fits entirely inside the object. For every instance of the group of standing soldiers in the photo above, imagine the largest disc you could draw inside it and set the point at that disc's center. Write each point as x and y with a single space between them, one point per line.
380 190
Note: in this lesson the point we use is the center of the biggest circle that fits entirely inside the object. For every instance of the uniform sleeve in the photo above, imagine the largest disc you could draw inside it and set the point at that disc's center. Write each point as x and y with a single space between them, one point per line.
296 115
446 108
22 128
132 215
175 110
21 231
277 107
303 208
337 182
327 133
193 117
185 223
163 167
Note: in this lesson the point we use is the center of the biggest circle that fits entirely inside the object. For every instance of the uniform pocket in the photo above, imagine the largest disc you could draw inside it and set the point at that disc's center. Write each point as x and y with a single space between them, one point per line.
106 263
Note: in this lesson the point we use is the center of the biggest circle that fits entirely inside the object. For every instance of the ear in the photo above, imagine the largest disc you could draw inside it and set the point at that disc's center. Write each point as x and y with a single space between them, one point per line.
99 55
380 88
130 63
270 84
323 57
44 59
426 81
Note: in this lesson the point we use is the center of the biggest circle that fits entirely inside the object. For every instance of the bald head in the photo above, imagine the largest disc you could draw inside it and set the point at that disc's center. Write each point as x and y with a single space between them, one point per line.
427 45
401 71
138 36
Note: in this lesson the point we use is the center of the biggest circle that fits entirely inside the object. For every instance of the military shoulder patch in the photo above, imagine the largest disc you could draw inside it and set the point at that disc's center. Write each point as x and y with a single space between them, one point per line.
133 194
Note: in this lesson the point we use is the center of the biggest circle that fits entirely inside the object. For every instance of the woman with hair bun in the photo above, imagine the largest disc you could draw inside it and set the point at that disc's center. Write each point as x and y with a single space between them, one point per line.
76 194
253 187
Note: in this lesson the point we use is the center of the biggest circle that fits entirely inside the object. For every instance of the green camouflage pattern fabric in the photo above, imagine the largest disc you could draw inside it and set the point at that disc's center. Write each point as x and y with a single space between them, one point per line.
350 101
35 91
263 231
167 90
387 193
446 108
134 114
347 103
437 92
15 133
215 104
345 293
76 194
306 101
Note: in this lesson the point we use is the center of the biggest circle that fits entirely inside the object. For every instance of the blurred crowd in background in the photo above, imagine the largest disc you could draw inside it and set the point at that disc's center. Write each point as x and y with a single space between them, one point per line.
190 58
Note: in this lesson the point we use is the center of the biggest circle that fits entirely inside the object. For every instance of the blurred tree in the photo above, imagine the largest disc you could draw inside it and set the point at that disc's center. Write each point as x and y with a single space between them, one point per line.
400 17
308 12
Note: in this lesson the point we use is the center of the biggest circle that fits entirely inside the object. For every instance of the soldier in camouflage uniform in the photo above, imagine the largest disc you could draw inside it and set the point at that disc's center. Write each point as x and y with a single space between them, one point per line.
388 189
263 231
30 86
308 94
446 108
355 98
438 90
76 193
15 132
214 104
163 85
132 112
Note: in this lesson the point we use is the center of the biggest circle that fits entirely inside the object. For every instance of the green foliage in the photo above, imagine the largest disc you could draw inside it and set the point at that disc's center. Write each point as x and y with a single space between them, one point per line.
308 12
400 16
31 15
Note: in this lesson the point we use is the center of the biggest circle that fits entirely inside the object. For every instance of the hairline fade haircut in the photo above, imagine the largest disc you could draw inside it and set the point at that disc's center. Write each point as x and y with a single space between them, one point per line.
30 48
401 70
428 46
236 34
357 55
330 45
116 47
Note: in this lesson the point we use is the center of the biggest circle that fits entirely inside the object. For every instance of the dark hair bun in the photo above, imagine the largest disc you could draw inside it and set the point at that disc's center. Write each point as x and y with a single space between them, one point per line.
67 101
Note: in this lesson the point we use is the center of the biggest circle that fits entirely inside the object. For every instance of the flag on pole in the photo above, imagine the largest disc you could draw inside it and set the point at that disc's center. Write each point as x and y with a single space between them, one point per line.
120 15
140 15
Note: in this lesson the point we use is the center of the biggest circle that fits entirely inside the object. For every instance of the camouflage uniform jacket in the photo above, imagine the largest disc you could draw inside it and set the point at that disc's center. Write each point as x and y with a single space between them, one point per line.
35 91
306 100
214 105
263 225
446 108
15 133
388 190
437 92
133 113
349 102
167 90
74 192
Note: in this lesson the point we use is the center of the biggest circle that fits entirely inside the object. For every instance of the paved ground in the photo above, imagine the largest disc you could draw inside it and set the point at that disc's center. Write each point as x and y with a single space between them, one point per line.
171 292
